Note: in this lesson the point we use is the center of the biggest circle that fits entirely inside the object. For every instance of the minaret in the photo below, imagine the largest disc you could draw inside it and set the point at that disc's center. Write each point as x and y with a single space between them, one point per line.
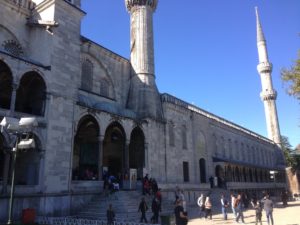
144 97
268 94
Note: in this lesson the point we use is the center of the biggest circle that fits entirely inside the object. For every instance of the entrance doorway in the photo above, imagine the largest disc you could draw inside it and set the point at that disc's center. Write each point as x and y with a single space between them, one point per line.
202 170
137 151
113 150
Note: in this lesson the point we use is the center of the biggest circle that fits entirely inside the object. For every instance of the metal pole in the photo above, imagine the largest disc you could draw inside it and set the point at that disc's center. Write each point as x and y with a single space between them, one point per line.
12 188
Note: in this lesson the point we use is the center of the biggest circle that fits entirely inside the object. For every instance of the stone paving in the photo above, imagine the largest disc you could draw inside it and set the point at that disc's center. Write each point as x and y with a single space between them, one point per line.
289 215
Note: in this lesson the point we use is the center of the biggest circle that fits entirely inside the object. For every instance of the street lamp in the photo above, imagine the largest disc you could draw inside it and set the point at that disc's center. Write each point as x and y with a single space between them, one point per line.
18 133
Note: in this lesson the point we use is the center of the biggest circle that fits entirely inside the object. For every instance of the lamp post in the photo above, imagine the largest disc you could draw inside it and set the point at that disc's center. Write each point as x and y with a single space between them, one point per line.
15 129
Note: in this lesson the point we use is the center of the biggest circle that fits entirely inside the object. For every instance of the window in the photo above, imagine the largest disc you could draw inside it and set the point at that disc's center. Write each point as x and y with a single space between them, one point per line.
87 75
186 177
12 47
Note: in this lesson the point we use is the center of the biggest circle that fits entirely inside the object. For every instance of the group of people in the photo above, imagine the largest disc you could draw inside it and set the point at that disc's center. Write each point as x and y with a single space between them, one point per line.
150 187
237 204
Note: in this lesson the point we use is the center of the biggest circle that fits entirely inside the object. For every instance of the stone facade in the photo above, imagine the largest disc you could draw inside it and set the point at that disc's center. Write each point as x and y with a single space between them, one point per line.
98 111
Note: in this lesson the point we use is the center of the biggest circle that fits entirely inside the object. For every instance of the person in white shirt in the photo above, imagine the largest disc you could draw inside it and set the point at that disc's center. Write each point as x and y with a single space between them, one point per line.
200 203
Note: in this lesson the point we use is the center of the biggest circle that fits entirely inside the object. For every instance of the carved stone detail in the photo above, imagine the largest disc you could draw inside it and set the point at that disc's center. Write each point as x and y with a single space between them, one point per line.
131 3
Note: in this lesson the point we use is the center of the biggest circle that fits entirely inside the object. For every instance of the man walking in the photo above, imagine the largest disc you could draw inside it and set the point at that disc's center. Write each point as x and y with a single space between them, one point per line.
268 207
224 204
143 208
239 209
233 198
200 203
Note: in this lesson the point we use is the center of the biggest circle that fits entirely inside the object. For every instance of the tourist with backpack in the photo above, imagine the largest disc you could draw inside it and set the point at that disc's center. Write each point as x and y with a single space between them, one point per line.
258 211
208 207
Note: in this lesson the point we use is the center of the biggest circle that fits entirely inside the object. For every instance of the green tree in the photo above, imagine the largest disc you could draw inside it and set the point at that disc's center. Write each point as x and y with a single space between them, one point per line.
292 77
288 153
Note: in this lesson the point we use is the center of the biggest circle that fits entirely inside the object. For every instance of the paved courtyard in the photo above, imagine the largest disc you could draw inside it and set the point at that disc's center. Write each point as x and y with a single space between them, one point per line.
282 216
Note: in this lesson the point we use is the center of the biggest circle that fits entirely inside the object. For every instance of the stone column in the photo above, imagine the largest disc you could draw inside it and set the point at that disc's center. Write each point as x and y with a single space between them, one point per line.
126 156
13 99
100 156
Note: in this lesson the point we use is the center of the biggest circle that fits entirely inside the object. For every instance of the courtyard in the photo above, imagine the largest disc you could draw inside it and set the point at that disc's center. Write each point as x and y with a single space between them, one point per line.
289 215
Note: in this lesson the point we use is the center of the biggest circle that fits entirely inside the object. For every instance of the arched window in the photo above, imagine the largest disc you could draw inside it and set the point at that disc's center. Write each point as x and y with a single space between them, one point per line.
5 85
12 47
104 88
86 150
171 134
184 137
87 75
31 94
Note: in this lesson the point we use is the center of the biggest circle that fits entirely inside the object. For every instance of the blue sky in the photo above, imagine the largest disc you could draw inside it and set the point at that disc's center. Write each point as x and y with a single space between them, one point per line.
206 54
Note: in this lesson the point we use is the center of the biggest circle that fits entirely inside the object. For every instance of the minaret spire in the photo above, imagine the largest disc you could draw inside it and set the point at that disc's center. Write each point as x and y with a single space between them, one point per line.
268 94
144 97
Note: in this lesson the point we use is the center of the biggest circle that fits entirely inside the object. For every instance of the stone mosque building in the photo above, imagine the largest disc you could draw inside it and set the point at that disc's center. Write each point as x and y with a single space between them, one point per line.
98 111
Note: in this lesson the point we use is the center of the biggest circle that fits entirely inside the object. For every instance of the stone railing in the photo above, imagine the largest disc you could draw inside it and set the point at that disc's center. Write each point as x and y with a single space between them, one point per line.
77 221
26 4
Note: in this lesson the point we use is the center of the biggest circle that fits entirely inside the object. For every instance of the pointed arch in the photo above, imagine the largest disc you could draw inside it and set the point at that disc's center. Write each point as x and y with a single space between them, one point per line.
86 149
31 94
113 149
87 68
6 81
137 151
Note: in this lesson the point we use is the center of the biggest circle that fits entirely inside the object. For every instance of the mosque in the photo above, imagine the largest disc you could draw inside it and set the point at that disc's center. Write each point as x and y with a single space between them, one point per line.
99 112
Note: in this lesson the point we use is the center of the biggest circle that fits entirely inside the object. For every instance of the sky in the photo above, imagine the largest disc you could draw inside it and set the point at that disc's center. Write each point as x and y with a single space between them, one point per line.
206 53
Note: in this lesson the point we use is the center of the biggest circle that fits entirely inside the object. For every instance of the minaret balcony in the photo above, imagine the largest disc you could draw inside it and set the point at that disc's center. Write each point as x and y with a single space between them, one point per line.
132 3
268 95
264 67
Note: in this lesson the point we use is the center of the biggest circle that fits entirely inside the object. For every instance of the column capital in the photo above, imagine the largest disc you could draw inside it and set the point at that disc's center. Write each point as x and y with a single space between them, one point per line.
268 95
132 3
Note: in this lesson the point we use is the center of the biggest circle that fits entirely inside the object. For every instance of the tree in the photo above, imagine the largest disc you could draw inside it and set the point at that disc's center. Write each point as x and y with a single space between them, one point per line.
292 77
288 153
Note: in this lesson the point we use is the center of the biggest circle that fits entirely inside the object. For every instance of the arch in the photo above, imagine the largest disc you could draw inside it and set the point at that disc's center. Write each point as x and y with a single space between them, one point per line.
113 149
219 173
86 150
28 165
6 81
10 43
137 151
31 94
202 168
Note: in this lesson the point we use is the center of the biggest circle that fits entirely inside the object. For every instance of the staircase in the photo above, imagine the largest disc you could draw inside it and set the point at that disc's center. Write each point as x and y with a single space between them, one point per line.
124 203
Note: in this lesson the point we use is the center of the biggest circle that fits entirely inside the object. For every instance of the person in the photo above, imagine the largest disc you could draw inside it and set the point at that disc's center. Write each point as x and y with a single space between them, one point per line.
239 208
258 211
110 215
200 203
211 181
145 184
155 209
182 198
224 204
180 217
176 193
268 207
143 207
208 207
233 198
284 198
159 196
